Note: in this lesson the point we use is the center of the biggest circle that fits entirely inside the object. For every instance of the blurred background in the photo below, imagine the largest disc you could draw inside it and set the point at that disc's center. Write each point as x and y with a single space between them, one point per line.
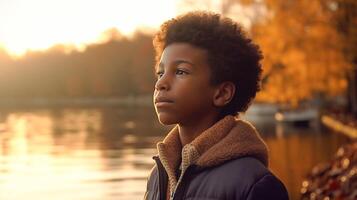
76 82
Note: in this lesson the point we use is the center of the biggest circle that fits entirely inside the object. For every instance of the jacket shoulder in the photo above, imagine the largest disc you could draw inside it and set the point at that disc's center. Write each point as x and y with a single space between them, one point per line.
259 181
268 187
244 171
235 179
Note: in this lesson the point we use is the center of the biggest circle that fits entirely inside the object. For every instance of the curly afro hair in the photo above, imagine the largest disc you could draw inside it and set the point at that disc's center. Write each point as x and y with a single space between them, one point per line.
232 56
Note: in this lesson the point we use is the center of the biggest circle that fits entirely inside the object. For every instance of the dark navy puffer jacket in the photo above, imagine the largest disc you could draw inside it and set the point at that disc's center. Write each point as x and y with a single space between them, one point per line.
226 162
240 179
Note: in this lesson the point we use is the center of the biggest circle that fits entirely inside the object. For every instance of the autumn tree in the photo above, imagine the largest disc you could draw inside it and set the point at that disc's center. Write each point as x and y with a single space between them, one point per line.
303 52
344 18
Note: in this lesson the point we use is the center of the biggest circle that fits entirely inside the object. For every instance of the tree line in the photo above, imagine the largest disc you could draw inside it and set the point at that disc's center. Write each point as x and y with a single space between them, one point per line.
121 66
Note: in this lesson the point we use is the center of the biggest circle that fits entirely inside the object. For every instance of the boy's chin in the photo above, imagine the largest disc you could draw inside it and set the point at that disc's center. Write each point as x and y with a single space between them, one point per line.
165 120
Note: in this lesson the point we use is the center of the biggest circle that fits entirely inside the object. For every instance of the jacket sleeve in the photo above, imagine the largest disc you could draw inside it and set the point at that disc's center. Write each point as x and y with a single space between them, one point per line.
269 188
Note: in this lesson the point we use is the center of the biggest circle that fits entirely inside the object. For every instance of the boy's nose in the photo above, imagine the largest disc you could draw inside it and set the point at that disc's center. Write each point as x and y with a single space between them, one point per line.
162 84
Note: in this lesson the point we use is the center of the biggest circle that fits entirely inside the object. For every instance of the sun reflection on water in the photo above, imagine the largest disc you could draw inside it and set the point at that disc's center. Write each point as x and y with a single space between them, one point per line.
55 154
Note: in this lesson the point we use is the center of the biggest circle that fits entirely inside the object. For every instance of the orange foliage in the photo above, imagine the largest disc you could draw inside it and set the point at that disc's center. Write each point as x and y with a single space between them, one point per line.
303 52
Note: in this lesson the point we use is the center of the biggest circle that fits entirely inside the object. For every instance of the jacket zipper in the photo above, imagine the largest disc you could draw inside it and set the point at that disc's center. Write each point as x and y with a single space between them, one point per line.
179 191
163 178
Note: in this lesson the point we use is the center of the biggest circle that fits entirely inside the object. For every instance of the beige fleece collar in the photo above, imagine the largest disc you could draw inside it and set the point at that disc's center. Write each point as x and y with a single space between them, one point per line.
228 139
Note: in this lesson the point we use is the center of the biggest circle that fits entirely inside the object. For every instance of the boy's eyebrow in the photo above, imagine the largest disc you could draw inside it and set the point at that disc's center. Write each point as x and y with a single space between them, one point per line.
176 62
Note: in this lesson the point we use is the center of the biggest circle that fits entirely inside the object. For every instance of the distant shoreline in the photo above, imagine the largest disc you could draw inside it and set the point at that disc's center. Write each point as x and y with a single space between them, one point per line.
142 100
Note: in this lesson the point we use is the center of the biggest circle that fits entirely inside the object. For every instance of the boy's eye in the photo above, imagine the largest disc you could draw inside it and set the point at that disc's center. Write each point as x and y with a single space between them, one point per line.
180 72
159 74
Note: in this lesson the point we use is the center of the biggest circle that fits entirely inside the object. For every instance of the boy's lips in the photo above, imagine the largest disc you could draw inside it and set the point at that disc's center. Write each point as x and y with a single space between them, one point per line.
162 101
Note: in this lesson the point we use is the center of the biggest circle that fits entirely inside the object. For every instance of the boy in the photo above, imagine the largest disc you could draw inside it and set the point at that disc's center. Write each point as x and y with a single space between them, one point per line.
208 71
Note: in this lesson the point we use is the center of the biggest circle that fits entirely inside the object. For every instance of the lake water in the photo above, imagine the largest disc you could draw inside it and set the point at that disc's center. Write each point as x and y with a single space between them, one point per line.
106 153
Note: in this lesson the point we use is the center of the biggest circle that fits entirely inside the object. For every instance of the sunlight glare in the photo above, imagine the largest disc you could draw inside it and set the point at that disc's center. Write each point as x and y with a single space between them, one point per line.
39 24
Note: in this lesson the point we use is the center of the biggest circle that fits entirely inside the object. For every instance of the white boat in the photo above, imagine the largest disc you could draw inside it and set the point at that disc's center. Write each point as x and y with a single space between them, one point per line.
260 113
297 115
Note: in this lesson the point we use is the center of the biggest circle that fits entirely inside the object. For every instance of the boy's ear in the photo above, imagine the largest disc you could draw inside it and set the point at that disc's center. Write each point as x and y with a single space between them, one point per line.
224 94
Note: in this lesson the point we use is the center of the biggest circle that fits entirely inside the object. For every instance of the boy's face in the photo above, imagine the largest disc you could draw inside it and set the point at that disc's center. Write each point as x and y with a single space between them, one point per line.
183 93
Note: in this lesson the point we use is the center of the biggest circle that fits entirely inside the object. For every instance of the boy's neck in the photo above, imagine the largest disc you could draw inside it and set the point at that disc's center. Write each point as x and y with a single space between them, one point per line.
189 132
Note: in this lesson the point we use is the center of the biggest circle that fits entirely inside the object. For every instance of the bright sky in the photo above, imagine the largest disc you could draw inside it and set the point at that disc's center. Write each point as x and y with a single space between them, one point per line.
39 24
